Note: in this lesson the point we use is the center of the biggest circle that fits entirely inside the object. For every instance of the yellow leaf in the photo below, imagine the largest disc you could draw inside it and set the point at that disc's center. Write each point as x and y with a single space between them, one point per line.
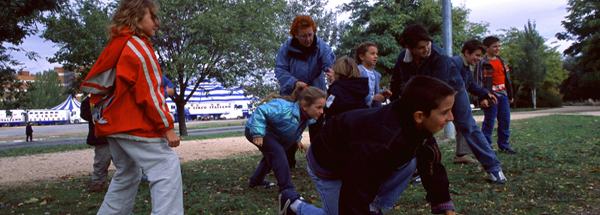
43 202
32 200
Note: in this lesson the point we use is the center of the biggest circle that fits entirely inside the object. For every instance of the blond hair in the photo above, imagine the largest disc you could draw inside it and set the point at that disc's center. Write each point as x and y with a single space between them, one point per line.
301 94
346 68
129 14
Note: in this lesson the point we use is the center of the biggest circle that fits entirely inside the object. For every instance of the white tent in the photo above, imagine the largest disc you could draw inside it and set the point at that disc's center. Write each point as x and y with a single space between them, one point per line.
71 104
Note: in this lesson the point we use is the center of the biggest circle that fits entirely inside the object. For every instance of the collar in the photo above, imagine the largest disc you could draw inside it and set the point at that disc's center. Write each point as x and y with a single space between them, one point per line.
305 50
408 57
464 59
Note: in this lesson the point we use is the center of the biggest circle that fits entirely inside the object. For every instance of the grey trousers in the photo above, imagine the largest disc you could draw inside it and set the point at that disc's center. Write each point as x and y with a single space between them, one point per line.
462 147
102 158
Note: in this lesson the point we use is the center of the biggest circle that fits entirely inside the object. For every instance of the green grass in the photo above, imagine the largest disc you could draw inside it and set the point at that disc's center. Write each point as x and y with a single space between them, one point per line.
512 110
557 171
219 125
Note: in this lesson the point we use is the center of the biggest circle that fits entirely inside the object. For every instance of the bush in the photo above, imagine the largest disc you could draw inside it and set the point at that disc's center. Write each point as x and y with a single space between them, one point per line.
545 98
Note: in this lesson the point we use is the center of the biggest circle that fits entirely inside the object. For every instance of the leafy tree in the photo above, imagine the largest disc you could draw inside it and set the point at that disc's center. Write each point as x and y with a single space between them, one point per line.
79 29
532 65
215 40
45 92
582 26
18 22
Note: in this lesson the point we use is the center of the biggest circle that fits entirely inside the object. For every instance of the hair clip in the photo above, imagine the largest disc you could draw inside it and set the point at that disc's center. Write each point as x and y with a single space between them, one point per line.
304 87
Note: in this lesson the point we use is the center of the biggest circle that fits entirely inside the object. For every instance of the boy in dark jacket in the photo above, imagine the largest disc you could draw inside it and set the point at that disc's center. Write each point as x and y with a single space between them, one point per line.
347 90
358 152
102 156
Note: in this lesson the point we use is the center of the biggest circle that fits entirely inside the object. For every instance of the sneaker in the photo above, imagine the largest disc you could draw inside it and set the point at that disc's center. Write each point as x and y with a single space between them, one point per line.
265 184
507 151
286 198
97 188
465 159
497 177
416 180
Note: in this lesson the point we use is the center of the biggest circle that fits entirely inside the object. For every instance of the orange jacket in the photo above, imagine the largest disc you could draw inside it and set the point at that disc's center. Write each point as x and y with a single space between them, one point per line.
136 109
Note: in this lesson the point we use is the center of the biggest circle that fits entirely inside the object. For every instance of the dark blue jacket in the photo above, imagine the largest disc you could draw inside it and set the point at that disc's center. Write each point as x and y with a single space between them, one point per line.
28 130
346 94
437 65
467 76
293 65
86 113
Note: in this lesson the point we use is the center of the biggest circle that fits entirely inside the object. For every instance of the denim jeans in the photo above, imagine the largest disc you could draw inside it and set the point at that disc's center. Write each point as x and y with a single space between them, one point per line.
329 191
465 123
501 111
274 158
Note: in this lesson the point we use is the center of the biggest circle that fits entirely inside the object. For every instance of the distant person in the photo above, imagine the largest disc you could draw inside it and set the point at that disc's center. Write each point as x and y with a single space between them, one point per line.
421 57
102 156
125 86
366 57
358 153
347 90
470 55
28 132
492 74
303 60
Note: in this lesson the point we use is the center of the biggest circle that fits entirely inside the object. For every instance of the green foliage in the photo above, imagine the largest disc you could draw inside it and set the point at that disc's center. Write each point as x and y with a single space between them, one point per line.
555 172
531 65
582 26
384 21
79 29
45 92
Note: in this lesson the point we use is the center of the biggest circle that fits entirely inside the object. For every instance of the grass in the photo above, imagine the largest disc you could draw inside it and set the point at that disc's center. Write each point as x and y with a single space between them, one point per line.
216 125
512 110
557 171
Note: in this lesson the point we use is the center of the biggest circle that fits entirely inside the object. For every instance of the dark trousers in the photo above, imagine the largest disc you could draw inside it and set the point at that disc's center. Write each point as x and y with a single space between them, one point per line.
29 137
274 158
313 130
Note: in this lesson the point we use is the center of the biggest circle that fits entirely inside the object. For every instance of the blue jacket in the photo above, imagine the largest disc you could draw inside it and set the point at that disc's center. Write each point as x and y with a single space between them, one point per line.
292 66
279 118
363 73
467 76
437 65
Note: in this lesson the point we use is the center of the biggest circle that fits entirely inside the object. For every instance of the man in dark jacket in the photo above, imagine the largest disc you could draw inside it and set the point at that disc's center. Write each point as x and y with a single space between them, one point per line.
359 152
28 132
102 156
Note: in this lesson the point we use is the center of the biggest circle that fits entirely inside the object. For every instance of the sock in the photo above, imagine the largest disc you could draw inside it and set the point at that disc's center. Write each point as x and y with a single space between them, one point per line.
295 204
374 208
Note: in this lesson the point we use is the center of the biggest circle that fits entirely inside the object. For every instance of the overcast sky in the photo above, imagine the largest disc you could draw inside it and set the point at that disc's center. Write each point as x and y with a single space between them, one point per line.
501 14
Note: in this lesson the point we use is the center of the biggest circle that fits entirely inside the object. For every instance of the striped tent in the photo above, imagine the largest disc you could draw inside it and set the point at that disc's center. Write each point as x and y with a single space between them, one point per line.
69 104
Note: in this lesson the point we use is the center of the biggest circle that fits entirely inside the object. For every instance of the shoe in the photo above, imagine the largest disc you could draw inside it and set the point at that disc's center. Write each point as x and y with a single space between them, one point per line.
507 151
97 188
286 198
498 177
416 180
465 159
265 184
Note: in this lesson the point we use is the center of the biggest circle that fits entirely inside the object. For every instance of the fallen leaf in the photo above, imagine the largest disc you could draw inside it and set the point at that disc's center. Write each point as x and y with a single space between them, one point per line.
32 200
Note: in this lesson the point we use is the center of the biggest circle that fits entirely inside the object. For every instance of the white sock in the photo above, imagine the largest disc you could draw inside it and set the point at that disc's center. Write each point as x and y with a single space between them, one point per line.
295 204
374 208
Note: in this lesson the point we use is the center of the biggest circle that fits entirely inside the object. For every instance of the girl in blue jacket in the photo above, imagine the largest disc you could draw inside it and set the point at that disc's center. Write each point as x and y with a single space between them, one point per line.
278 125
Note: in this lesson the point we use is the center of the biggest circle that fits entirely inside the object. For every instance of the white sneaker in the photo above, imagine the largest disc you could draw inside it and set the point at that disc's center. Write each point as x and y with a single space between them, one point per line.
498 177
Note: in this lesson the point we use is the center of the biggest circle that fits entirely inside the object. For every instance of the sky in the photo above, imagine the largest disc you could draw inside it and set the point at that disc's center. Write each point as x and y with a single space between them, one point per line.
500 14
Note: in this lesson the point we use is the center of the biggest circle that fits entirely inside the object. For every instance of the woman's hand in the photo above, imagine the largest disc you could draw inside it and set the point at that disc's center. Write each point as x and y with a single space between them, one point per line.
258 141
299 84
301 147
172 138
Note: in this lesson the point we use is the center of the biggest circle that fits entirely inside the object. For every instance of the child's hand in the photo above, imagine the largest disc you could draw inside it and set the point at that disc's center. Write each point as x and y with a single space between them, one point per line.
493 98
379 98
329 75
301 147
257 141
484 103
386 93
172 138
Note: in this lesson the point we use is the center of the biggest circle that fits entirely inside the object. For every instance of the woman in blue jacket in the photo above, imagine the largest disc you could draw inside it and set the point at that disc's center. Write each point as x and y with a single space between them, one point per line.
303 60
278 125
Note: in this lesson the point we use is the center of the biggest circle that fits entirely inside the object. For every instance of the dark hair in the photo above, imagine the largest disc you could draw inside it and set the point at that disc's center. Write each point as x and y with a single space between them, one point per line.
301 94
424 93
362 50
412 35
472 45
302 22
346 68
488 41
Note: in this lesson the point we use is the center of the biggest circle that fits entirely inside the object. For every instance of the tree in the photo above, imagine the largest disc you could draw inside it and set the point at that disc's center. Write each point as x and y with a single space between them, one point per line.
18 22
45 92
582 26
79 29
384 21
532 65
217 40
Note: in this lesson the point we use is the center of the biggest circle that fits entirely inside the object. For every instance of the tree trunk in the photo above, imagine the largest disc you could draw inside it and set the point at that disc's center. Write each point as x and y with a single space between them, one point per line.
533 97
181 116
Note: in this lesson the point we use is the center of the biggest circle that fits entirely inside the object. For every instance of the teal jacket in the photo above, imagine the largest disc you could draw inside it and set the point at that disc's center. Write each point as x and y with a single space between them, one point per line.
279 118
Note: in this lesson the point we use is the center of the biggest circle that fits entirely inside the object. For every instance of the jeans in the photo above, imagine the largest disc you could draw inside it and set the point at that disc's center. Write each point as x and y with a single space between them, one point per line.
501 111
274 158
329 191
465 123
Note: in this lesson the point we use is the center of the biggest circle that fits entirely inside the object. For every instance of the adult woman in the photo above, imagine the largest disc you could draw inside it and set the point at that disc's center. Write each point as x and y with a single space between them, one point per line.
303 60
